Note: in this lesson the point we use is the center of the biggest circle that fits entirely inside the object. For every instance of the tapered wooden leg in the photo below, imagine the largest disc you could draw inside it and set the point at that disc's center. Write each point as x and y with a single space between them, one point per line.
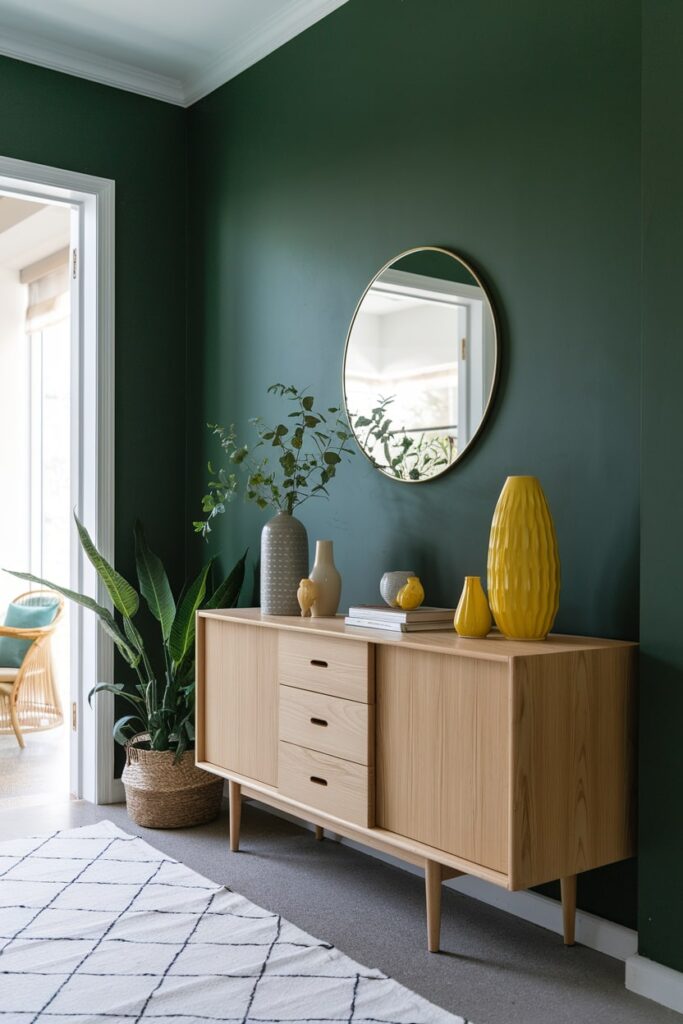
319 833
235 793
433 880
568 890
15 723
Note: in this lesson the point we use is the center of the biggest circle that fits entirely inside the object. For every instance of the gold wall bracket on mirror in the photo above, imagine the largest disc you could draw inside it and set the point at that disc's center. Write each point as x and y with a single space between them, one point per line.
420 364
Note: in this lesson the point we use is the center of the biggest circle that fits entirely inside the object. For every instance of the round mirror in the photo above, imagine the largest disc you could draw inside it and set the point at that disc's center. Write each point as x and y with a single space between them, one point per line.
420 364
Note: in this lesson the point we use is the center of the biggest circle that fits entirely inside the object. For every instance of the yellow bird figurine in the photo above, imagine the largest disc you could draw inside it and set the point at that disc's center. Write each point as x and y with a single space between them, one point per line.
306 595
411 595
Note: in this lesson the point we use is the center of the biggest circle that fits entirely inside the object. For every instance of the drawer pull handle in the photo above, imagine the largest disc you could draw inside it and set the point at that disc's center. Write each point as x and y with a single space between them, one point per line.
318 721
318 781
318 663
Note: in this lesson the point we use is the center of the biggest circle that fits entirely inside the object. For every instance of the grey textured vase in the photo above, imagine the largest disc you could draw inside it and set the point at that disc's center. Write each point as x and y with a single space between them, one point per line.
284 562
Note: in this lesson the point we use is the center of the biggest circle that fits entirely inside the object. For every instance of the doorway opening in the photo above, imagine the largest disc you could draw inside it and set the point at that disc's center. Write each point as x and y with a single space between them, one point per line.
56 456
35 455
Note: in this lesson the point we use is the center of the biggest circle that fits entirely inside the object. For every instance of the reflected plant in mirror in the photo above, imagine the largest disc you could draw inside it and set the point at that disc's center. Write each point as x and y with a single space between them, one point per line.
398 452
420 364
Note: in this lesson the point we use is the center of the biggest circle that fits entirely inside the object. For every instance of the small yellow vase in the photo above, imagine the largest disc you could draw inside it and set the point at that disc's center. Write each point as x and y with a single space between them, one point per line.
473 615
411 595
523 562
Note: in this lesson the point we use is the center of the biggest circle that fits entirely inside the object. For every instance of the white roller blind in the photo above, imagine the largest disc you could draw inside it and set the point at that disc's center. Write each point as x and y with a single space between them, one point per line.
48 291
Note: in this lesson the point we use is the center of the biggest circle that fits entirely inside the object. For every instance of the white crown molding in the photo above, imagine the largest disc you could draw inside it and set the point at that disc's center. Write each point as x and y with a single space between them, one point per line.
73 61
252 47
655 981
245 51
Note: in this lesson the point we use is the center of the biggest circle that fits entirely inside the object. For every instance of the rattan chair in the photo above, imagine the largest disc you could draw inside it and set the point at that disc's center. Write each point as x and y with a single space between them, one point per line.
29 699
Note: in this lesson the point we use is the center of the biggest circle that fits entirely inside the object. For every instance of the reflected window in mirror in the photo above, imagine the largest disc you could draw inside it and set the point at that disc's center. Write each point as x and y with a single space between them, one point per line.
420 364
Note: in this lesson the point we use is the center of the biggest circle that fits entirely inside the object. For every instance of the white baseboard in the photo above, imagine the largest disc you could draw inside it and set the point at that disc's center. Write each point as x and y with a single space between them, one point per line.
116 793
655 981
595 932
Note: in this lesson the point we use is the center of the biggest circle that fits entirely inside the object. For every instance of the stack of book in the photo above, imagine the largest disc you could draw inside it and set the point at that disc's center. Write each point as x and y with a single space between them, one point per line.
372 616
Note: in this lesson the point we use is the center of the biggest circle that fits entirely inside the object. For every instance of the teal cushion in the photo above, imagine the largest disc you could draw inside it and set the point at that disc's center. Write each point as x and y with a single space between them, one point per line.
39 612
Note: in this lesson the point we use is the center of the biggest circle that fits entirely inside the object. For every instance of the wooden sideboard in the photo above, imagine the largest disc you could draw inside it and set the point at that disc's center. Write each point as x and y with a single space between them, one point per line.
507 760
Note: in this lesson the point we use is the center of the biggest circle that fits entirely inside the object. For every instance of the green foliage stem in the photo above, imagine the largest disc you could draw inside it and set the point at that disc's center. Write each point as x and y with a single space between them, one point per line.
289 463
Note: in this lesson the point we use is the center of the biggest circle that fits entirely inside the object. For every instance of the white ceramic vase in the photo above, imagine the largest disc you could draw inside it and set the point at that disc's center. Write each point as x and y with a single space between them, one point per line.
327 580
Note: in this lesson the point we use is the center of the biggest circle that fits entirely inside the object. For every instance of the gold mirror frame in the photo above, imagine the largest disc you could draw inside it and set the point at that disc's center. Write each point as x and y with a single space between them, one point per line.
496 360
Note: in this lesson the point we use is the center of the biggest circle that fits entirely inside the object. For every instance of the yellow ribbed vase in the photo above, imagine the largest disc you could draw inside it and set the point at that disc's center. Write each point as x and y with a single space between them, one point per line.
523 562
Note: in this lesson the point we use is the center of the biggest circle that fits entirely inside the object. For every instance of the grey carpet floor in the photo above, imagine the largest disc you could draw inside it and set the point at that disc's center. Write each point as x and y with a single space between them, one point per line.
494 968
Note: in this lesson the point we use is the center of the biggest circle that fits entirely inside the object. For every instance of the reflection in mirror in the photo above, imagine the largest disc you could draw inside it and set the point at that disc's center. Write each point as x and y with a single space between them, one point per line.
420 364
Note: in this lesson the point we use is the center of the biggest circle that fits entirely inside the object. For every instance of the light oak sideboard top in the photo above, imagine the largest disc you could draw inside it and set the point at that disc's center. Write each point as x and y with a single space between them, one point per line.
494 647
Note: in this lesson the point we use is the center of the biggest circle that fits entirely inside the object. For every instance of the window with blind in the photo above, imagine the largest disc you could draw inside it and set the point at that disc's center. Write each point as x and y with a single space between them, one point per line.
48 334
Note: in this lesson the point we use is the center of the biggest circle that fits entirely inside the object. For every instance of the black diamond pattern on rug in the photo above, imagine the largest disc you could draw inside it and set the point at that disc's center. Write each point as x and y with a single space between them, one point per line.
96 926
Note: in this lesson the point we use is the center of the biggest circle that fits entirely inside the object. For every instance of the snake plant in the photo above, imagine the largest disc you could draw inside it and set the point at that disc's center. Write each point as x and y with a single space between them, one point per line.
161 702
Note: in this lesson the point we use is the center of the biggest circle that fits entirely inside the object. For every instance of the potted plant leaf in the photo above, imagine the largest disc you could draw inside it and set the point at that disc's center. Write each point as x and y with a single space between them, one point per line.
164 788
289 463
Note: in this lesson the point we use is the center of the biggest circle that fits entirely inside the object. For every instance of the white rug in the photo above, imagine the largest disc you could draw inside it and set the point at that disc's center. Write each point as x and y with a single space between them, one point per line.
96 926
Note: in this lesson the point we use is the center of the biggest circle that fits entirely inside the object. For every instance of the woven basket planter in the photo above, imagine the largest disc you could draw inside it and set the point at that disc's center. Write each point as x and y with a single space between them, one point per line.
161 794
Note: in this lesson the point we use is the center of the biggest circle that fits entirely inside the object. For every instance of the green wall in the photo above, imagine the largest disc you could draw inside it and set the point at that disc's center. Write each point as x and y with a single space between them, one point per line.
510 133
312 169
661 683
56 119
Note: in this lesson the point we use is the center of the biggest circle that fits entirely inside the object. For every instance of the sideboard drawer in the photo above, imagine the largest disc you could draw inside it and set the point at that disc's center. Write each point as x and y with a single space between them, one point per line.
329 784
344 728
327 665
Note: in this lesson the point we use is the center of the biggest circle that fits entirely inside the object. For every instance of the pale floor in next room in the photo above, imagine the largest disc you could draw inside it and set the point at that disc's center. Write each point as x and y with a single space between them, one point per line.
39 773
495 968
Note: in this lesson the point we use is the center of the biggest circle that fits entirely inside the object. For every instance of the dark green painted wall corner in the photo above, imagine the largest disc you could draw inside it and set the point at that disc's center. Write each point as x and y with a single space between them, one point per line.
660 916
318 164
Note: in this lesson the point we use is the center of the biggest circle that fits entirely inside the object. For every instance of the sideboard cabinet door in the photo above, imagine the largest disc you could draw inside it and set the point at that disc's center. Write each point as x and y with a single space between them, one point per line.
443 752
240 705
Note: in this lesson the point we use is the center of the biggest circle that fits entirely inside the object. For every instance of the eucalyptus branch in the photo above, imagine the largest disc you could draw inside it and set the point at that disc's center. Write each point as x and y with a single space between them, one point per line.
308 453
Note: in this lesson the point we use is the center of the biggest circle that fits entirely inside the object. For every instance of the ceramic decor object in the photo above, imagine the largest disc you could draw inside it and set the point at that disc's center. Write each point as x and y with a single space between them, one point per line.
391 583
411 595
327 581
306 595
473 615
284 562
523 562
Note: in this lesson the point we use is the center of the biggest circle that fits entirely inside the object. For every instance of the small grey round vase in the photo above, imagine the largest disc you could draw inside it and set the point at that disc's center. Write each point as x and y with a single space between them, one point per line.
284 562
391 583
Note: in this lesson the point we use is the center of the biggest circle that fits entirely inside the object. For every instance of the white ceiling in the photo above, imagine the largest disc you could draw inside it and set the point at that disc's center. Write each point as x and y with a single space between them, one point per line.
13 211
381 303
45 230
173 50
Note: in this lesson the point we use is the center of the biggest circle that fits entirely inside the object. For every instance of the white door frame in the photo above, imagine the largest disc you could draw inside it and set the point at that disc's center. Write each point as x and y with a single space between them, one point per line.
93 266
